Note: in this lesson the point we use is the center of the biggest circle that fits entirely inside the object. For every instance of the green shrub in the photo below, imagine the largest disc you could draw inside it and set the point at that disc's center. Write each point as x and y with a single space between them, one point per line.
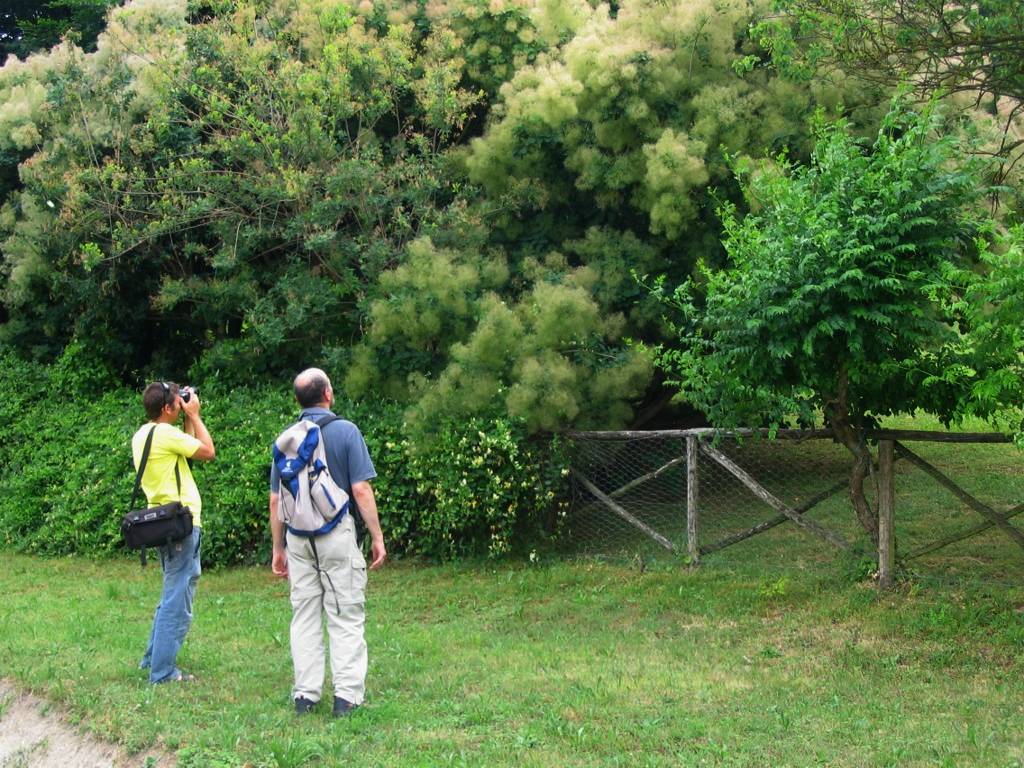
478 488
235 486
67 472
487 485
22 383
65 465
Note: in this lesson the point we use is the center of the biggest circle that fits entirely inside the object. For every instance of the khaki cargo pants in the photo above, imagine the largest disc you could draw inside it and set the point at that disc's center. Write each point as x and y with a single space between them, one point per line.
336 587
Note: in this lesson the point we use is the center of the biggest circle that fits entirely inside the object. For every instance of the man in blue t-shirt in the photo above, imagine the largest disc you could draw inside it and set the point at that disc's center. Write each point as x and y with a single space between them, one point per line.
327 574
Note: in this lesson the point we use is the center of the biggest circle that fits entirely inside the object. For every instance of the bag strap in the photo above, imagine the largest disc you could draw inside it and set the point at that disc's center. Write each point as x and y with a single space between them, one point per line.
142 468
177 474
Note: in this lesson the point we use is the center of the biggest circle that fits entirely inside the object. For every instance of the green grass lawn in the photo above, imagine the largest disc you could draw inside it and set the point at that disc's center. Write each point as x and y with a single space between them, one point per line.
775 652
554 664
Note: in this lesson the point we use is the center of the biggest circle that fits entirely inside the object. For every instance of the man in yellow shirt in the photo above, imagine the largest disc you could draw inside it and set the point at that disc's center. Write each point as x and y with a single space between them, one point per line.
167 477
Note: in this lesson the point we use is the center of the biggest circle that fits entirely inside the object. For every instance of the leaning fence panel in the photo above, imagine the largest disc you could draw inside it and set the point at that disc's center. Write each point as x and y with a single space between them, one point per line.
626 487
939 530
795 480
648 483
957 509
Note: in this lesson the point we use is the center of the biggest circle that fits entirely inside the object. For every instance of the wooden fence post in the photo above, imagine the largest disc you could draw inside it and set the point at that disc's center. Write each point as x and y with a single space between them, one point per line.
692 544
886 536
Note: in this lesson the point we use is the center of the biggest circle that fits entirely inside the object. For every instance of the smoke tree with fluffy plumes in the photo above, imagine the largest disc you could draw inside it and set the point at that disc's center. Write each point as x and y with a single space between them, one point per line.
598 161
443 201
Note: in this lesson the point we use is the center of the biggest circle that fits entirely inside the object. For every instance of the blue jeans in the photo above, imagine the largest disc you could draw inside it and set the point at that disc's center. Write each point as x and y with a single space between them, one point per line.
181 566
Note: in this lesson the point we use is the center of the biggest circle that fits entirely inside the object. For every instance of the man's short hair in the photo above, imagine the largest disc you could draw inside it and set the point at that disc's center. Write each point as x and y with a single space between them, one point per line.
311 387
156 396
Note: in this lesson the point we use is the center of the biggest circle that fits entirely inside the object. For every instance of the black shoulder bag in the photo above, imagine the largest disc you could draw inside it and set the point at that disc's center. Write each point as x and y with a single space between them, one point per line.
155 526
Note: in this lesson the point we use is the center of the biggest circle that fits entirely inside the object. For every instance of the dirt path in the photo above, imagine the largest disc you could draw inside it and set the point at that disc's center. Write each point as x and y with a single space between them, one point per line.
34 734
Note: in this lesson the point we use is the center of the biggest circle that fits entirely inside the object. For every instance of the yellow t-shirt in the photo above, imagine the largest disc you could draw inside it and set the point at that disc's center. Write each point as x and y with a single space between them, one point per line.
170 446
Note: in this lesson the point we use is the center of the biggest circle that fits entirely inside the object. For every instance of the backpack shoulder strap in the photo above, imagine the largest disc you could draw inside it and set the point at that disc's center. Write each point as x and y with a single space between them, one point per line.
323 421
353 509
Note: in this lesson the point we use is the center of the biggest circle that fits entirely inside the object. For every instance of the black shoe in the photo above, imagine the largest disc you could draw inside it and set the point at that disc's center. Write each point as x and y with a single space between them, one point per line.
342 707
303 705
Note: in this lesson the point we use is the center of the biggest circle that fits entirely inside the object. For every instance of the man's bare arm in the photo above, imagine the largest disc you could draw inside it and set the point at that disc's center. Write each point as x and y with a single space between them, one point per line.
279 558
367 503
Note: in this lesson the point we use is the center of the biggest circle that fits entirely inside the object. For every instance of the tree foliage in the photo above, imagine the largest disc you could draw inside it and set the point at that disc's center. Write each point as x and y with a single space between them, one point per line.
970 50
597 160
973 47
236 183
847 292
443 200
28 25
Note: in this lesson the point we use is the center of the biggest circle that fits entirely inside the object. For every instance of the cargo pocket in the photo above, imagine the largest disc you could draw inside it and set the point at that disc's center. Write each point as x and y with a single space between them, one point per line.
358 582
358 566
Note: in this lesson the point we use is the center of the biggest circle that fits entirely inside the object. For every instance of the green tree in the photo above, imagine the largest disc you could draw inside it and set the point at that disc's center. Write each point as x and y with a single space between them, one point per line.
598 159
444 200
27 26
971 50
67 112
973 47
994 345
845 294
237 181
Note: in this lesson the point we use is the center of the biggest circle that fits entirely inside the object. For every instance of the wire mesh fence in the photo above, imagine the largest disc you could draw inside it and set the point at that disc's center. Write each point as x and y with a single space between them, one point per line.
938 535
630 496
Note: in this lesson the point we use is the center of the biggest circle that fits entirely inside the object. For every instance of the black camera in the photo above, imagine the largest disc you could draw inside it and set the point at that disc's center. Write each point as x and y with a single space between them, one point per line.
185 393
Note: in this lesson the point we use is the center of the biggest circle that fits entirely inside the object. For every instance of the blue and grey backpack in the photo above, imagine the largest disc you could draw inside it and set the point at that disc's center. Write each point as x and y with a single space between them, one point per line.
311 502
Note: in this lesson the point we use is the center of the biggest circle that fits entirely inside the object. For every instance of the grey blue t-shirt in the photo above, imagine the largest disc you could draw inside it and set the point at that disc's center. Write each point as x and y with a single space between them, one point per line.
347 456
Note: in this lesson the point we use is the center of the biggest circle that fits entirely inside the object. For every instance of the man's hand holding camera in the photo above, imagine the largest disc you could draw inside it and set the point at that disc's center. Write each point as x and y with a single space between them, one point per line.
188 401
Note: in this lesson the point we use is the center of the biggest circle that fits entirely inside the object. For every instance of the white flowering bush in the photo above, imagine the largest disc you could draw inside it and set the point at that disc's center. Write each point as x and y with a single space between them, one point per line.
483 488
